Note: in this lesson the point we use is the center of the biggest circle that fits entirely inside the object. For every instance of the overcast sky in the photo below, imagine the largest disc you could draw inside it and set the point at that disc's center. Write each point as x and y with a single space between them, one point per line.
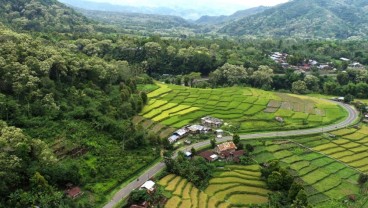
225 5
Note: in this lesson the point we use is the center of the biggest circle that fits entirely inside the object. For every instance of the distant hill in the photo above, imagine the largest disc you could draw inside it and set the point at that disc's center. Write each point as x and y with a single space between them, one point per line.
212 20
43 15
138 22
308 19
186 13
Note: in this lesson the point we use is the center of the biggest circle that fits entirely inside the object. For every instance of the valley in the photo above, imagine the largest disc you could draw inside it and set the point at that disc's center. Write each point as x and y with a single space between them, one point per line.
167 104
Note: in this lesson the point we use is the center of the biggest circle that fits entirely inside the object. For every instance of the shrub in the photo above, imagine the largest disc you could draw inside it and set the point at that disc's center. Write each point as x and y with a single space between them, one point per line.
363 178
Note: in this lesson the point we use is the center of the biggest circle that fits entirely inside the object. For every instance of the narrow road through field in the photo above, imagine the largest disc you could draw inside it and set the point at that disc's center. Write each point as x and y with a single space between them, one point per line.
124 192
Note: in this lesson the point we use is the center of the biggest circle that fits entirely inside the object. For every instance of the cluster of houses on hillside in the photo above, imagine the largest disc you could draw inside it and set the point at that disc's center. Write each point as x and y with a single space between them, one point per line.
225 151
281 58
208 124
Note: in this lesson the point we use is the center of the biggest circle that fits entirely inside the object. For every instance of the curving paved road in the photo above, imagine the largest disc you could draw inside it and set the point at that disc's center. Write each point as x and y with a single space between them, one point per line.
352 117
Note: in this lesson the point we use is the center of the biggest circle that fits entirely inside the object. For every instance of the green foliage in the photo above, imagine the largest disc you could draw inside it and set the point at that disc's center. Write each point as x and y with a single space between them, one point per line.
138 196
46 16
299 87
21 184
79 106
363 178
301 200
229 75
213 143
196 170
275 181
270 167
348 98
249 148
294 190
236 139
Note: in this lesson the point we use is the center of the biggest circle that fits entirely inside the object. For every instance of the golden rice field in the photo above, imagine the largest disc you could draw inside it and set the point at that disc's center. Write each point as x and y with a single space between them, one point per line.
231 186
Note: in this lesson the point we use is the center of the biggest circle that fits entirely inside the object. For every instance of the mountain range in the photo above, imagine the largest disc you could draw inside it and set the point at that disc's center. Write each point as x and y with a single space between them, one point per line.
140 23
338 19
215 20
187 12
308 19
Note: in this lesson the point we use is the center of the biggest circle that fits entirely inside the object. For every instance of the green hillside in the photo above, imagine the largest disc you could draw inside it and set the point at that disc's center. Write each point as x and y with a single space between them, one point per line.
307 19
204 20
140 23
60 111
44 16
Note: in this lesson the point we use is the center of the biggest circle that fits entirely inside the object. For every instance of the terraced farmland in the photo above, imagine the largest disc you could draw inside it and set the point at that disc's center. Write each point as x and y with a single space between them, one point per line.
175 106
350 146
231 186
323 178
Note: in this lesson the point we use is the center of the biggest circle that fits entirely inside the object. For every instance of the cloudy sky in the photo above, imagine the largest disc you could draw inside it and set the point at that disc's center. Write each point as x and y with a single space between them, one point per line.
227 6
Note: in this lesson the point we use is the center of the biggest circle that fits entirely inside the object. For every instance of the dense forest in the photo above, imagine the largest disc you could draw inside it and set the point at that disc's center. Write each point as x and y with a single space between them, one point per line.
77 105
69 88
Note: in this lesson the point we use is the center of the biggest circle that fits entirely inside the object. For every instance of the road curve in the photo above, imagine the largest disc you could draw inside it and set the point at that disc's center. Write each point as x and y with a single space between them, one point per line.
352 117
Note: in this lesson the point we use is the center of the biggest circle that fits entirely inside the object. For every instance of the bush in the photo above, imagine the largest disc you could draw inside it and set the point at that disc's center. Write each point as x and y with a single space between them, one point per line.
363 178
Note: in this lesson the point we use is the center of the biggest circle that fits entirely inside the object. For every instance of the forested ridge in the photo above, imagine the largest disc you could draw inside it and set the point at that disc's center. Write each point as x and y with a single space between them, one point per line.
308 19
46 16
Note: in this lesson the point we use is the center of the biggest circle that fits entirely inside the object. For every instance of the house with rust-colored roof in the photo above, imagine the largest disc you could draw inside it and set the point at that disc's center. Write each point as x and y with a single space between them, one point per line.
74 192
225 147
209 156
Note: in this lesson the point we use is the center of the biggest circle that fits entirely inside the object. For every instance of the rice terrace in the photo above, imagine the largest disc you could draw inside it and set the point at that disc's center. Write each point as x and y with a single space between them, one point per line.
327 165
171 107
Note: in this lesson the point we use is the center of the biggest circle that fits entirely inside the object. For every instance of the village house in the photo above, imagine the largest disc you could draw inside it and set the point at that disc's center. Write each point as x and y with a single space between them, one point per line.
149 186
73 192
188 154
225 147
324 67
211 122
197 129
143 205
356 65
312 62
173 138
181 132
178 135
344 59
209 155
235 156
226 151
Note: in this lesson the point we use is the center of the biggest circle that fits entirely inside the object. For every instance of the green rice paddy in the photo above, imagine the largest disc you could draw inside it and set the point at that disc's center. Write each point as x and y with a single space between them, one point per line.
253 109
350 146
323 178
